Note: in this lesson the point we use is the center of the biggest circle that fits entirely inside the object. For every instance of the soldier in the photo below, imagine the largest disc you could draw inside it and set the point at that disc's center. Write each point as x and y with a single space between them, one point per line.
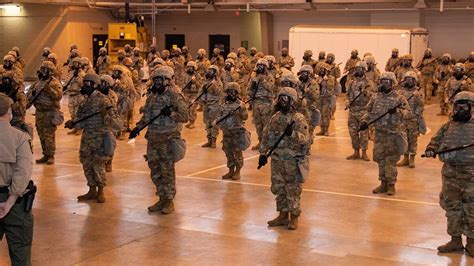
128 50
335 70
230 75
393 62
244 68
441 76
97 129
137 61
193 82
178 62
123 86
152 55
359 92
469 64
19 58
308 90
272 68
457 189
10 87
120 56
210 97
45 95
232 124
73 54
106 87
456 83
322 57
74 90
103 62
405 66
390 135
427 67
327 85
261 92
165 54
86 65
307 60
45 53
253 57
58 72
9 66
202 62
16 223
217 59
290 153
414 120
187 56
351 63
289 80
167 101
373 73
285 60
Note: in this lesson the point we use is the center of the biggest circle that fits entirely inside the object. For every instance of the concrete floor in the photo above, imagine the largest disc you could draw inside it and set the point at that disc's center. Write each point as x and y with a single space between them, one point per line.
224 222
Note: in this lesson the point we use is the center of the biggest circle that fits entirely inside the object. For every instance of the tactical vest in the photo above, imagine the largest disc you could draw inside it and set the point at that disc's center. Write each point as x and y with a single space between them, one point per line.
458 134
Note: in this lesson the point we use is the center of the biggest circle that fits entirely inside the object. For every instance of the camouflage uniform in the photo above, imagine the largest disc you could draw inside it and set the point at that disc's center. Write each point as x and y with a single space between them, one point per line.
441 76
285 176
457 193
161 132
309 91
244 68
350 66
190 92
125 92
427 67
74 91
46 104
286 61
469 64
392 63
19 102
217 59
179 62
230 75
454 86
389 133
327 85
211 103
202 62
103 64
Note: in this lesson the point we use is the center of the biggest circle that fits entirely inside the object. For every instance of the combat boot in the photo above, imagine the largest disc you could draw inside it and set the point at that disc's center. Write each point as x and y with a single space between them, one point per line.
90 195
293 224
470 246
326 132
213 143
190 125
168 207
364 156
391 189
281 220
320 133
354 156
73 131
157 207
380 189
404 161
78 132
452 246
108 166
207 144
441 112
229 174
256 147
236 175
50 160
411 163
43 159
100 195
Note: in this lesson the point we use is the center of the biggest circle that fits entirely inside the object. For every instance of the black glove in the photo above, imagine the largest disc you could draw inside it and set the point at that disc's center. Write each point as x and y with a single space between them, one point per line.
134 133
262 160
430 153
288 130
166 111
69 124
392 110
363 126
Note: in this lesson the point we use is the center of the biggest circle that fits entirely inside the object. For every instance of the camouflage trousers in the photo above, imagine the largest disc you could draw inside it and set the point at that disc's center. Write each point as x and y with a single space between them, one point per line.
162 168
360 140
285 186
261 114
441 98
93 163
17 226
386 155
230 144
244 86
189 98
326 111
46 132
73 104
413 133
457 199
427 86
211 113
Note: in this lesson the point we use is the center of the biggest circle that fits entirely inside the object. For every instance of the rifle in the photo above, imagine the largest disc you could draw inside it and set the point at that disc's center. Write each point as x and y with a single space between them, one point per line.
70 80
269 153
188 84
255 90
89 116
37 95
355 99
462 147
458 90
227 115
148 123
204 90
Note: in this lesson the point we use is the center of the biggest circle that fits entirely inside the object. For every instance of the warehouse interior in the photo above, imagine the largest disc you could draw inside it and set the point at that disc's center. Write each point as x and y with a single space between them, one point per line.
224 222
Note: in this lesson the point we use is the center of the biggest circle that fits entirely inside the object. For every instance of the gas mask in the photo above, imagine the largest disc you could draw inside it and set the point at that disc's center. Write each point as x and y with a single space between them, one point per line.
271 65
304 76
210 74
45 54
153 50
253 53
406 63
409 83
190 70
287 83
370 66
458 73
260 69
322 72
228 67
445 61
43 73
427 54
159 85
102 53
8 64
283 103
329 60
359 72
284 53
394 55
385 86
116 74
120 58
88 88
353 55
321 56
462 111
136 54
306 57
200 56
104 87
6 86
231 96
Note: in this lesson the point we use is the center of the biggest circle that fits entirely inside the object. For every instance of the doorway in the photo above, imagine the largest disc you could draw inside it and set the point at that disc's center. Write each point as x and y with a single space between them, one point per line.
220 41
174 40
98 41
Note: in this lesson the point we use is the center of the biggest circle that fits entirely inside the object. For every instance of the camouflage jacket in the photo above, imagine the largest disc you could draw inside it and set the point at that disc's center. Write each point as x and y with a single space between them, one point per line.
380 103
309 91
442 73
213 94
46 94
286 62
362 86
454 86
75 85
350 65
427 66
103 64
327 85
265 91
237 119
193 88
99 124
392 64
416 102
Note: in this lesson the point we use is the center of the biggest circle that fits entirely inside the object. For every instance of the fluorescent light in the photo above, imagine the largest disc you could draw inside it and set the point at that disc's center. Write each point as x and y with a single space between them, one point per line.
11 10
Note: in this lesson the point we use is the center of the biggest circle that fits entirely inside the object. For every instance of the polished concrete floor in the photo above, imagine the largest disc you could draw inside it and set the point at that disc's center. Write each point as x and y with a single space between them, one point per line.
224 222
